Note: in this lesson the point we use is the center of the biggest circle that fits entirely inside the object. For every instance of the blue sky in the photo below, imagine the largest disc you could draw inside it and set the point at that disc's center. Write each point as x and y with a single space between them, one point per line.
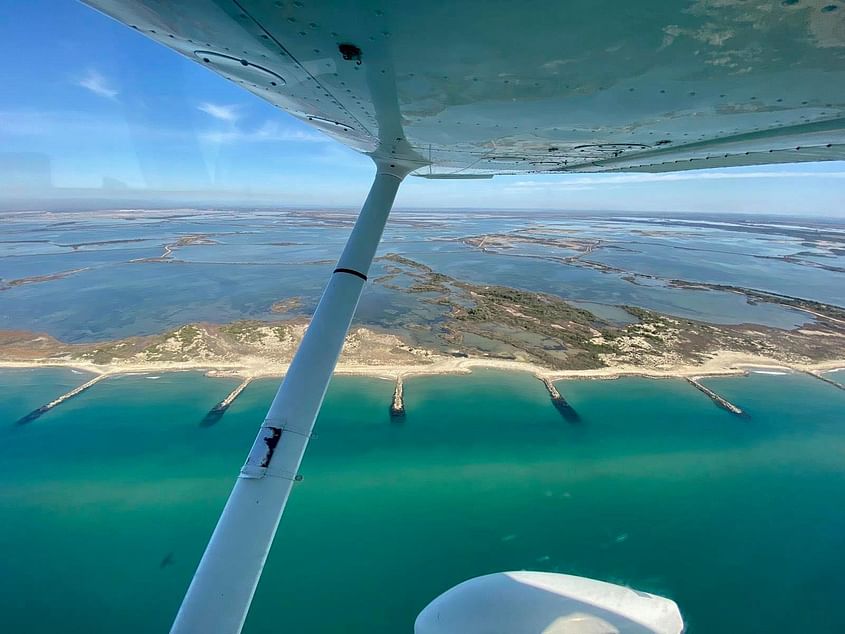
92 109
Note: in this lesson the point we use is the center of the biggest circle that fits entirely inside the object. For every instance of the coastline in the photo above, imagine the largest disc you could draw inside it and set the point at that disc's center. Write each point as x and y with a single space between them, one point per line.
722 363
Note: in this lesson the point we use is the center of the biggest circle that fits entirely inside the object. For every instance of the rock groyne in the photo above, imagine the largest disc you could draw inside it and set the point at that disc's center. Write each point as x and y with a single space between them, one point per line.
561 405
821 377
718 400
397 406
36 413
216 412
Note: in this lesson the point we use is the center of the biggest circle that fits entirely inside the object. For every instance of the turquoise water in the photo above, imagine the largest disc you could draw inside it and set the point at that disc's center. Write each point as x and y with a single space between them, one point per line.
107 501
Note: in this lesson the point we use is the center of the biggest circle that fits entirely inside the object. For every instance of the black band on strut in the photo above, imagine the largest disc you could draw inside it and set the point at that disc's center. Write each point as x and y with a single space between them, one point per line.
352 272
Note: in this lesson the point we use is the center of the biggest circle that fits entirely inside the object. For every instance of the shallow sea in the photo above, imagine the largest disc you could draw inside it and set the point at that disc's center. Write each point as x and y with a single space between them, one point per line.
107 501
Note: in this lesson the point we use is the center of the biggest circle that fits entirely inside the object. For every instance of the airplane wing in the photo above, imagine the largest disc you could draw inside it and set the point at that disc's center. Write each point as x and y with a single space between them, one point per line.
469 88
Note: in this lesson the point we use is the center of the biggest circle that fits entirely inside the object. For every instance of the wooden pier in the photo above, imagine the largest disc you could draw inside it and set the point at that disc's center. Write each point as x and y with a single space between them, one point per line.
718 400
36 413
397 406
561 405
216 412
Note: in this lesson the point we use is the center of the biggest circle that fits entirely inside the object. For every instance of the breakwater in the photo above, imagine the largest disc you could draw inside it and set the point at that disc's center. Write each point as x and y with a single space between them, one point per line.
216 412
718 400
561 404
821 377
397 406
36 413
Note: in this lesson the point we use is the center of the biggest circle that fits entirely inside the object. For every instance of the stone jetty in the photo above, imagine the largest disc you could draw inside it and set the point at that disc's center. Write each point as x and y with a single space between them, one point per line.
36 413
561 405
718 400
397 407
821 377
216 412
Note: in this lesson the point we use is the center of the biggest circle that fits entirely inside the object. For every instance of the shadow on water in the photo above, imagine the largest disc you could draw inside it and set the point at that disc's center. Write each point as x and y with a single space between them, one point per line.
566 410
34 414
166 561
214 415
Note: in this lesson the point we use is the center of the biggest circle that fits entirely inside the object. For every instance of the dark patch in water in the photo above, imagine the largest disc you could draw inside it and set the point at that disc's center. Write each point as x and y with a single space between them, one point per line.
566 410
214 415
166 561
36 413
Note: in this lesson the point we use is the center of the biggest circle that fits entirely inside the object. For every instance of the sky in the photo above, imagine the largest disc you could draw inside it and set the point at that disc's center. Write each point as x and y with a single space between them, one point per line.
91 110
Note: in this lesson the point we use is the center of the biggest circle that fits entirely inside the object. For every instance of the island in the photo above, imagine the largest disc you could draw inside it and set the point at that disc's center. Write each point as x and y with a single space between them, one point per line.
479 326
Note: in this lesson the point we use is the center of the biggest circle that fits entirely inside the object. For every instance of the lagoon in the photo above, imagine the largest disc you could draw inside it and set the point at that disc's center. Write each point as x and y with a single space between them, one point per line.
106 502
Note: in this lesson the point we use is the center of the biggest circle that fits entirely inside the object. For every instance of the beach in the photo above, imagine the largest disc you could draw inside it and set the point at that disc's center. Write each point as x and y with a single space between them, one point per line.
724 363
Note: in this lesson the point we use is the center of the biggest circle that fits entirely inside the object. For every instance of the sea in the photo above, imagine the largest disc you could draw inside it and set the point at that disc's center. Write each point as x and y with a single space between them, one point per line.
107 501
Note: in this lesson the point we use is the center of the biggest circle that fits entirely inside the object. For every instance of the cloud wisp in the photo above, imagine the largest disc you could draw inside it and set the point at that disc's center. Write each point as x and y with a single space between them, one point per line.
98 84
221 112
237 132
267 132
61 125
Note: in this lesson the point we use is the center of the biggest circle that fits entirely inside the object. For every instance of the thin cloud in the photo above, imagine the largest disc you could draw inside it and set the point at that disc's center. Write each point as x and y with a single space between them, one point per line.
222 112
74 124
98 84
268 132
53 124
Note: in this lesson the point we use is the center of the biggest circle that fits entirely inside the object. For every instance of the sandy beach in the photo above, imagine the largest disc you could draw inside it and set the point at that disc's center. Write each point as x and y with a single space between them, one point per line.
722 363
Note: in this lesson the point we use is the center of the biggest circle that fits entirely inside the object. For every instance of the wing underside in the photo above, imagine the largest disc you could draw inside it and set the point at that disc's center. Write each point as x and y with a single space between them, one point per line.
464 89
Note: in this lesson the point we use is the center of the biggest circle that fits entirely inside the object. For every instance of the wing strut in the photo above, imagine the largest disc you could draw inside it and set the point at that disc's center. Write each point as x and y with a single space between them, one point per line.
219 596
